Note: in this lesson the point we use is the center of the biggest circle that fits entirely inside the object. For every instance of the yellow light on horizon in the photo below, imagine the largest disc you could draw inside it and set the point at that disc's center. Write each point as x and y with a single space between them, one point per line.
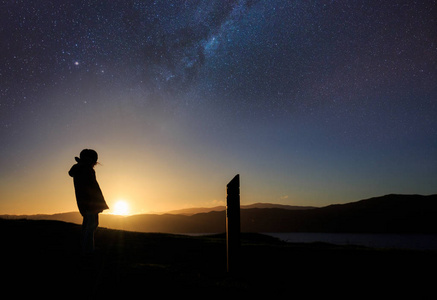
121 208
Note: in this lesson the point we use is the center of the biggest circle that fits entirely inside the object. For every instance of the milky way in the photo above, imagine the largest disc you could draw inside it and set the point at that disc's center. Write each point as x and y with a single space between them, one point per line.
326 99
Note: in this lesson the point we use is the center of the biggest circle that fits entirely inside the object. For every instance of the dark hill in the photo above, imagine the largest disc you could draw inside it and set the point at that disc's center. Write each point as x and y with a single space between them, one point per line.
192 211
42 259
386 214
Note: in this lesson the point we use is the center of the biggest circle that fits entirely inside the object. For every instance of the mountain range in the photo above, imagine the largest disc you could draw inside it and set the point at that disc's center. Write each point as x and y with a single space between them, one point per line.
387 214
192 211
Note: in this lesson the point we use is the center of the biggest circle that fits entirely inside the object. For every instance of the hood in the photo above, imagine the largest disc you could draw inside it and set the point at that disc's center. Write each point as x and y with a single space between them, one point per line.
73 170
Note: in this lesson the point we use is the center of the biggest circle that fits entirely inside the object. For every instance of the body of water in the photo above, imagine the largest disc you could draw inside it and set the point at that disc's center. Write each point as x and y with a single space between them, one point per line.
397 241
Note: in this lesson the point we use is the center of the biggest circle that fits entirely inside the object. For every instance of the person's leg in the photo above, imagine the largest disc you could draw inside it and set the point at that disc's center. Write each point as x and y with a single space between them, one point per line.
85 225
95 221
90 223
93 226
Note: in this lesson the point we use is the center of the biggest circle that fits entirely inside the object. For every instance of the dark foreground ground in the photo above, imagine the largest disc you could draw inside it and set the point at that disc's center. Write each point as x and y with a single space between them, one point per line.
42 259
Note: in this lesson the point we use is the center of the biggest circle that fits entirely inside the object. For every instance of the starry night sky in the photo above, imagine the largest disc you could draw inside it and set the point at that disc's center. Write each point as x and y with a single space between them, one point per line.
311 102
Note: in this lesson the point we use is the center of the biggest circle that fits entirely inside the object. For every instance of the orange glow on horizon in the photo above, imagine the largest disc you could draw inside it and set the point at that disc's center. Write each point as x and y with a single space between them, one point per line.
153 181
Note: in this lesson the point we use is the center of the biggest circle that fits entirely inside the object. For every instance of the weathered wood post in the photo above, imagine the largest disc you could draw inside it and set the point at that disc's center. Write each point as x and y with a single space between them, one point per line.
233 223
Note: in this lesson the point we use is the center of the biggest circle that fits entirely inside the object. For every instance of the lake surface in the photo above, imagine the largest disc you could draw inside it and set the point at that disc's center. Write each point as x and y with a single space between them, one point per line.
398 241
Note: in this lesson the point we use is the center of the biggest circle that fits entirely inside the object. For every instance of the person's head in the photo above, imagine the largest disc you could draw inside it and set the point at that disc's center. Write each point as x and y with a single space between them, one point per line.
88 156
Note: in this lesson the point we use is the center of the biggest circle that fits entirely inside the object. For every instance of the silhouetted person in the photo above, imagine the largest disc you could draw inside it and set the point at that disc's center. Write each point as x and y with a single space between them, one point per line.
90 200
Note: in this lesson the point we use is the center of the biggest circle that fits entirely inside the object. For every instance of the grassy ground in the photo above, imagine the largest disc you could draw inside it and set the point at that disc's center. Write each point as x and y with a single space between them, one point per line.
42 258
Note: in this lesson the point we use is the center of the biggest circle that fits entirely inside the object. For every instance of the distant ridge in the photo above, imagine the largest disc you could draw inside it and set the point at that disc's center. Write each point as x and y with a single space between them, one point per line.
71 217
387 214
192 211
281 206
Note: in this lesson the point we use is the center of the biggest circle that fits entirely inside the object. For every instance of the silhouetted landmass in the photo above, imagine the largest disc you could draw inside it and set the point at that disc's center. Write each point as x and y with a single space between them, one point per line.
42 258
72 217
195 210
192 211
386 214
271 205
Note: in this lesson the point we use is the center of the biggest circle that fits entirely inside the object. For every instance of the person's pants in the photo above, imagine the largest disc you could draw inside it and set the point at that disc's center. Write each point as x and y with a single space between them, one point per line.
89 226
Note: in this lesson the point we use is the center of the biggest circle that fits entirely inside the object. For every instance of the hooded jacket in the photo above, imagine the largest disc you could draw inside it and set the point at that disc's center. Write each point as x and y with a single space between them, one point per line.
89 196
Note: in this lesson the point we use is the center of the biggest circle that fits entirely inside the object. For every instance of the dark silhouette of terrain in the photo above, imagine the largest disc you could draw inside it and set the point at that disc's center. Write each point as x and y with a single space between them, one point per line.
42 258
192 211
386 214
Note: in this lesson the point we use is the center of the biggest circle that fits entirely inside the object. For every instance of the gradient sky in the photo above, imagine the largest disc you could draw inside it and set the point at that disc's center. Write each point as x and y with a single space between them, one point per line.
311 102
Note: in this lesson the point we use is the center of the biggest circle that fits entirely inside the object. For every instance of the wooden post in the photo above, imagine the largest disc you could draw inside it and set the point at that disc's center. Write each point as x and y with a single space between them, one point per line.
233 223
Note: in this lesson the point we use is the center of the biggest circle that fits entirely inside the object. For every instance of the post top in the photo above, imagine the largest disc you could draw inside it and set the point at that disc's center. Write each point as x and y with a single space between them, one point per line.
235 182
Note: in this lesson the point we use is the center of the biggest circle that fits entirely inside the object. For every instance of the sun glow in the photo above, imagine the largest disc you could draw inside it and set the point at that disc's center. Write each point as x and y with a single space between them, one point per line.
121 207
